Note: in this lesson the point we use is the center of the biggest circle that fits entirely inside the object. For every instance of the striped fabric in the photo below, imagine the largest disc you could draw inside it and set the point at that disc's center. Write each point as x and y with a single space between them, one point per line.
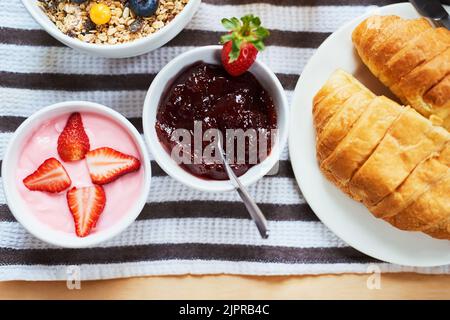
180 230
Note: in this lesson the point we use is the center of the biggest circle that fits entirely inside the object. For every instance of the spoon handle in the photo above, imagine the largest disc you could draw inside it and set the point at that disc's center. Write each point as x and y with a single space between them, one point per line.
255 213
250 204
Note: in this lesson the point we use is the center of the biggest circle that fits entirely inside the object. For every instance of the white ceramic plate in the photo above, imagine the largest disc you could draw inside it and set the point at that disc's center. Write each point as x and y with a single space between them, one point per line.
350 220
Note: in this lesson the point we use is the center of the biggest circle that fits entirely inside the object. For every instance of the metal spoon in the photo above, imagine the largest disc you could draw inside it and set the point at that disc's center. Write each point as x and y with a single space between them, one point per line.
250 204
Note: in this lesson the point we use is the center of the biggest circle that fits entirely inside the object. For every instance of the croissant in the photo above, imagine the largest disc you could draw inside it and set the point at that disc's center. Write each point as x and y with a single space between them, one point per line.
387 156
411 58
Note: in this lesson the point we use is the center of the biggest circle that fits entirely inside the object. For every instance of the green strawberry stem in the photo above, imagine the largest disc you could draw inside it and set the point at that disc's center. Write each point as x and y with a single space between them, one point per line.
246 30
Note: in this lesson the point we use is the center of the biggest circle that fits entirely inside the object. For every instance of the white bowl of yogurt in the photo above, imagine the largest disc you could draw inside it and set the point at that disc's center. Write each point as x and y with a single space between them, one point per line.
47 215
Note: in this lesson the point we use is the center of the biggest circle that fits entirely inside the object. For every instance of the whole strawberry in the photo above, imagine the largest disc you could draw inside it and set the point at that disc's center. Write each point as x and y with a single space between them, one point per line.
242 43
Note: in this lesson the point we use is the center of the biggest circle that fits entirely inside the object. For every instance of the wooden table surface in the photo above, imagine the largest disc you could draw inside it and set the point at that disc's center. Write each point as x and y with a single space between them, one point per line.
393 286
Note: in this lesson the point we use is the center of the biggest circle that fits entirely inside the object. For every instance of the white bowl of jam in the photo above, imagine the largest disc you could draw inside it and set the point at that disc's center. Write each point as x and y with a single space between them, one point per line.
193 99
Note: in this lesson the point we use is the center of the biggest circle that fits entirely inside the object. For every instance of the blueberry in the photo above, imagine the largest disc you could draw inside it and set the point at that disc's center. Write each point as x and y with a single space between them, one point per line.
79 1
144 8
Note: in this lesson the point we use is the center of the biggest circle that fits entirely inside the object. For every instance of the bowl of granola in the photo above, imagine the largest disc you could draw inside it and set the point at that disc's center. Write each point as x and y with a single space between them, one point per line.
113 28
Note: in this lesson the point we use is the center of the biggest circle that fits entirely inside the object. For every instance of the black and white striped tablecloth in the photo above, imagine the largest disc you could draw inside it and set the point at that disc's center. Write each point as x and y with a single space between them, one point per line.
180 230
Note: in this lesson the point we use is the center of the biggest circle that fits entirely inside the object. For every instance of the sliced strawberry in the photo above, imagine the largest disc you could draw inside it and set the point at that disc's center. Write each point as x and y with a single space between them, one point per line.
86 205
73 142
50 177
106 164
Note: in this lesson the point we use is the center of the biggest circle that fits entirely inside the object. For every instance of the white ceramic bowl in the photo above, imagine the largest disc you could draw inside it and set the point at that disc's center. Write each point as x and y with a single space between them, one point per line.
129 49
19 208
211 54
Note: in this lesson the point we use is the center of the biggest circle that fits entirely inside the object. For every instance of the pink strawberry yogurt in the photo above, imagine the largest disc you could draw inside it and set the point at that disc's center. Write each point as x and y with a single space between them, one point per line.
52 209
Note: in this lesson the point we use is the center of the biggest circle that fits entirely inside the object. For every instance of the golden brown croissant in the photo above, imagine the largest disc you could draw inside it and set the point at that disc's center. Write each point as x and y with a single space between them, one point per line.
387 156
410 57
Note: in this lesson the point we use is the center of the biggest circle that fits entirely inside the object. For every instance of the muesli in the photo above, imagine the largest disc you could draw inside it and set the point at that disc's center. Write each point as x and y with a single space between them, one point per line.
111 21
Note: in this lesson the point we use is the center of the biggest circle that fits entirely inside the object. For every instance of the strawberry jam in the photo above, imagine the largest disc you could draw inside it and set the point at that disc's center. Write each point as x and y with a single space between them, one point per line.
206 94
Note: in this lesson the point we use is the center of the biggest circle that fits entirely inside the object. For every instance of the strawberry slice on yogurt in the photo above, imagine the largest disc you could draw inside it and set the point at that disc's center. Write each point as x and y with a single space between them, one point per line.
50 176
86 205
107 165
73 142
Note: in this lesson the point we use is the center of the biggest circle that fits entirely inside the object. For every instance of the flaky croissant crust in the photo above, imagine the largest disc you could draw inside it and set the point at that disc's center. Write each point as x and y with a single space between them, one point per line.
411 58
387 156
